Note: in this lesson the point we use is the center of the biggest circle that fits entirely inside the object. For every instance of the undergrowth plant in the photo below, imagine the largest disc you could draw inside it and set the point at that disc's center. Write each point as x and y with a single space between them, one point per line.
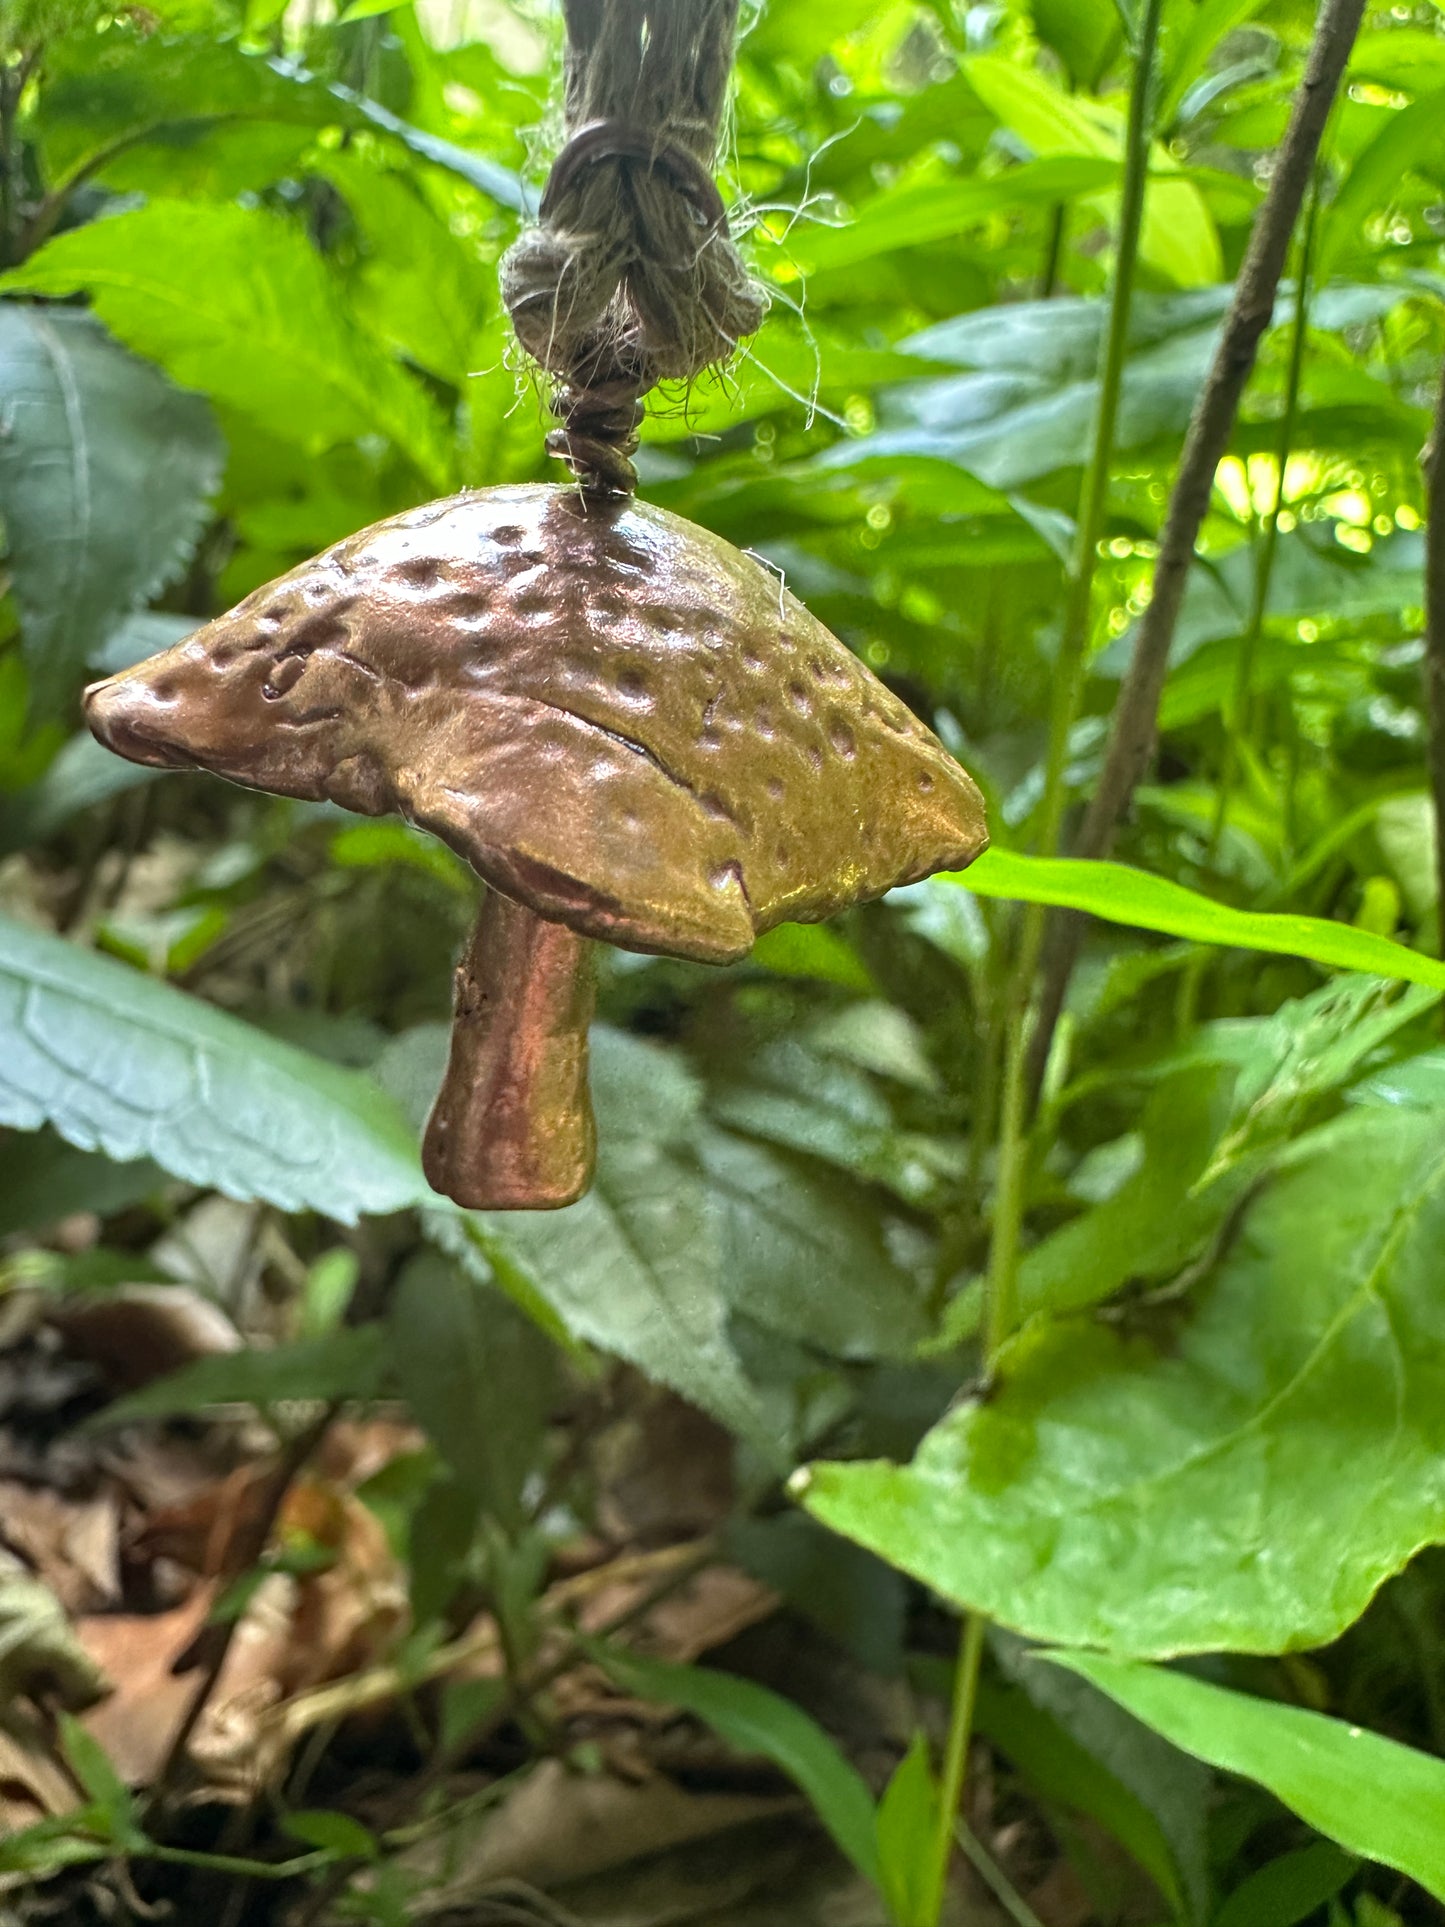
1131 1354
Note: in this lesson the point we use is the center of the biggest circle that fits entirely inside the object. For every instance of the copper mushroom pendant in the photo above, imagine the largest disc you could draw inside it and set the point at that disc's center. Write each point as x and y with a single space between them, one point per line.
629 730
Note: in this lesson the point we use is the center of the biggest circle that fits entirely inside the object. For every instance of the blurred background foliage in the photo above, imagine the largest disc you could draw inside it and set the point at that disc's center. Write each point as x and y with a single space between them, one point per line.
249 305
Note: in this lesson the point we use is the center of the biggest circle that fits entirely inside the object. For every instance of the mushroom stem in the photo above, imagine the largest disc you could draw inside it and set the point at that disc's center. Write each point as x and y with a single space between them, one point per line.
512 1127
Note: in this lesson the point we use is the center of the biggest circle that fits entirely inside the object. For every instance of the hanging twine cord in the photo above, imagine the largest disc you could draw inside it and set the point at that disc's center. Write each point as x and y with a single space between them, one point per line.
631 276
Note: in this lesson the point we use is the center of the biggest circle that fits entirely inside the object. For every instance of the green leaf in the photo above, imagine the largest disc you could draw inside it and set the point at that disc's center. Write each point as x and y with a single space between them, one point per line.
791 1094
1177 236
1248 1484
1085 34
907 1838
1026 405
236 302
1187 48
632 1267
924 212
121 1063
419 288
805 1254
1158 1219
1288 1890
1119 894
478 1378
348 1363
1411 137
1082 1766
756 1720
107 94
111 1800
336 1833
106 474
1376 1798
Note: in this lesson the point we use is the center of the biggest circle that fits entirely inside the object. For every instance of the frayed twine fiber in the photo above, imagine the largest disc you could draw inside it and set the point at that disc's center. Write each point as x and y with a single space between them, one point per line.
632 277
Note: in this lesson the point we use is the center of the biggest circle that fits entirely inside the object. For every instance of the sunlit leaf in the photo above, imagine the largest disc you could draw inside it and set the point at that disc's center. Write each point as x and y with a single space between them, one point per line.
236 302
1120 894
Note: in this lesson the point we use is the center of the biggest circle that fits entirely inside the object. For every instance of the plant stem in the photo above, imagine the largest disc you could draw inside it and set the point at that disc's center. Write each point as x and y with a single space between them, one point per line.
1434 465
1131 739
996 1880
1236 712
1001 1290
955 1756
251 1541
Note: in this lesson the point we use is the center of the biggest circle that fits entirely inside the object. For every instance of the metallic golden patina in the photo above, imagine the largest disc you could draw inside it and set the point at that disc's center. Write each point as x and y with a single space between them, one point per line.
629 729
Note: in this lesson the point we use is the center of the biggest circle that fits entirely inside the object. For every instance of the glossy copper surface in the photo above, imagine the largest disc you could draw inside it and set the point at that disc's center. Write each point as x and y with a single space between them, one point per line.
622 723
512 1125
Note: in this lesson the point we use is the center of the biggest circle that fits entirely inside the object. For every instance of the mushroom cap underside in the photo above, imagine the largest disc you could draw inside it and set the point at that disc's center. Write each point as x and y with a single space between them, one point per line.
615 716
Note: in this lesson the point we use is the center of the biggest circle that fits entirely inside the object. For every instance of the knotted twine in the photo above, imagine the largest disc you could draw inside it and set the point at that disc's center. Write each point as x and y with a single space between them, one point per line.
632 276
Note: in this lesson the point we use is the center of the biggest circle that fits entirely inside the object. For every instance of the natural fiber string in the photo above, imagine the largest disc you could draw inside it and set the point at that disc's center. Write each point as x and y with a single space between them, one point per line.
632 277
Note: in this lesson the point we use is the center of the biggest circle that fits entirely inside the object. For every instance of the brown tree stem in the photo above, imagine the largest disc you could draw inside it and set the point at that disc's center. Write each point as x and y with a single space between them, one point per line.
512 1127
1433 462
1136 714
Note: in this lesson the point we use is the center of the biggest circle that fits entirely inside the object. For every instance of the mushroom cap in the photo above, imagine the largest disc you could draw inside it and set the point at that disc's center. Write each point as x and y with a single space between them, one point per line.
614 716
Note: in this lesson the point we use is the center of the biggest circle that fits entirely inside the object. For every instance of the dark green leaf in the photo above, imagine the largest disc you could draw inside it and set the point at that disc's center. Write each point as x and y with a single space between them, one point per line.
756 1720
348 1363
106 473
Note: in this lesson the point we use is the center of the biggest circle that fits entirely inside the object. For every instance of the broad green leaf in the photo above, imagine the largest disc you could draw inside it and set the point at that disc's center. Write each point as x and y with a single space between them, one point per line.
791 1094
106 475
1085 34
1198 28
1077 1746
1026 405
687 1224
907 1838
755 1719
1159 1219
805 1254
120 1063
1247 1485
107 94
1307 1047
350 1362
1120 894
917 214
1412 137
1290 1889
477 1376
1373 1796
1177 237
236 302
632 1267
419 288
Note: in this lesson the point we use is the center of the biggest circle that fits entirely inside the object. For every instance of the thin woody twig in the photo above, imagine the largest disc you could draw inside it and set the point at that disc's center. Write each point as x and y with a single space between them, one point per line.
1131 739
251 1542
1433 462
